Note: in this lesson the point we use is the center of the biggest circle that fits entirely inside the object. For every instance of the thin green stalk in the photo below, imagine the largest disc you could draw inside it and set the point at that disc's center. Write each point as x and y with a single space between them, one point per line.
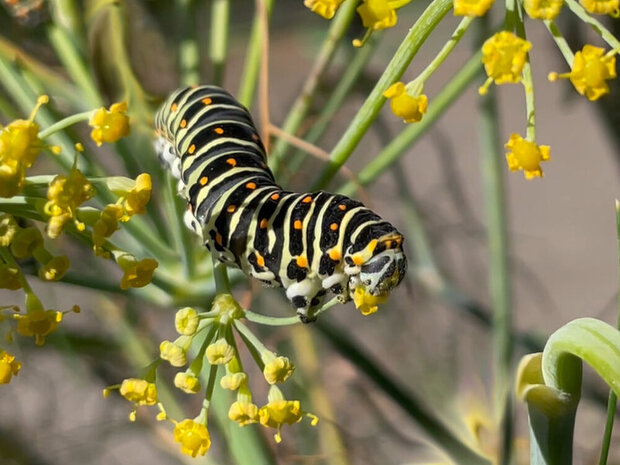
417 35
218 43
285 321
251 68
335 34
613 399
66 51
595 24
560 41
189 52
222 284
64 123
499 271
403 142
345 84
179 233
417 409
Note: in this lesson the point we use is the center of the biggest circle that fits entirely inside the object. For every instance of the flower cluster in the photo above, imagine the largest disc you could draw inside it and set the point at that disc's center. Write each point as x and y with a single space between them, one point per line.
55 203
505 57
213 332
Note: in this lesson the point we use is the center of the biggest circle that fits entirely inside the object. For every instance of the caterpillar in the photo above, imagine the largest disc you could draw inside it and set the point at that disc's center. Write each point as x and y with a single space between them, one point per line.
308 243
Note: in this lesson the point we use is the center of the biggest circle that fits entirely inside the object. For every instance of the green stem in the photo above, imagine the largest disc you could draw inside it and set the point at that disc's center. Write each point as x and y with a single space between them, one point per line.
598 27
251 67
417 35
285 321
189 52
349 78
64 123
528 83
498 269
611 403
560 41
66 50
180 234
339 26
403 142
220 273
220 12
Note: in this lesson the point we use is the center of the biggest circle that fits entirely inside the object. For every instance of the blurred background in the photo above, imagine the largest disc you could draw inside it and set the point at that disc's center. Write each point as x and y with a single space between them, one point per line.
435 345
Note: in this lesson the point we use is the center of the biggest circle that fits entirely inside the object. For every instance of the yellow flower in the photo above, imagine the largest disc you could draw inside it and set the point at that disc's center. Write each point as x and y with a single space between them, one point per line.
26 241
472 7
366 302
408 107
137 198
193 436
105 226
220 352
243 412
543 9
278 370
187 382
591 68
379 14
9 367
233 381
9 277
38 323
109 125
278 413
65 195
139 391
8 228
601 7
173 352
325 8
186 321
136 273
526 156
19 147
54 269
504 56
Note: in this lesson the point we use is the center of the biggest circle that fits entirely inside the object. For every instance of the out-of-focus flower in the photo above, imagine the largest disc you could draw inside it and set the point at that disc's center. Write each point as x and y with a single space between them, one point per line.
137 197
9 277
26 241
54 269
9 367
409 107
379 14
109 125
105 226
193 436
325 8
38 323
8 228
472 7
526 155
137 391
136 273
543 9
592 67
601 7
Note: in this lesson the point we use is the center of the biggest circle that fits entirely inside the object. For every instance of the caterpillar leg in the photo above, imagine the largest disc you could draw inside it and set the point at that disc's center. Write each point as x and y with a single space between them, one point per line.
307 313
306 296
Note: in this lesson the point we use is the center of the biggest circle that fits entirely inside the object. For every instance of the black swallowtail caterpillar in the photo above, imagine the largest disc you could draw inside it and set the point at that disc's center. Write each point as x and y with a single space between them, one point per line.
308 243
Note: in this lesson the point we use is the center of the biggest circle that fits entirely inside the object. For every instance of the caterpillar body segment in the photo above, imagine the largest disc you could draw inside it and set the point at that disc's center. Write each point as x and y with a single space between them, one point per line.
308 243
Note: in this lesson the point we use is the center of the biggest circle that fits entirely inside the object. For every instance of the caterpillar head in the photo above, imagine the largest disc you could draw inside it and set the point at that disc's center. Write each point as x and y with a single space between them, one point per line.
381 272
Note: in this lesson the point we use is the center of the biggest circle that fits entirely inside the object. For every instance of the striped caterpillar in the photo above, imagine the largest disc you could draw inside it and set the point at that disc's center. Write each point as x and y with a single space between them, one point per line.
307 243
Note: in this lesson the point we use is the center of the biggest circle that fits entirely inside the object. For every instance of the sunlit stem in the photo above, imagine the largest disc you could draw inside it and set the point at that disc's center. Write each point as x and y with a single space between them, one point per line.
595 24
220 12
65 123
560 41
